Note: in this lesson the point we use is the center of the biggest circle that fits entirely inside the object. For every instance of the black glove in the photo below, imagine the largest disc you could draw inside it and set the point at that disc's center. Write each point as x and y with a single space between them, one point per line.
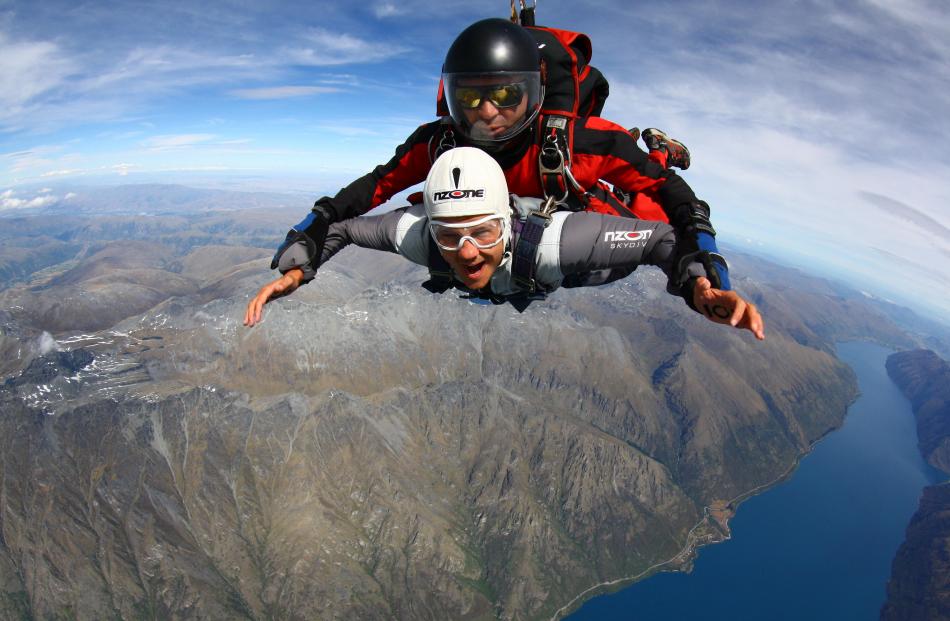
311 232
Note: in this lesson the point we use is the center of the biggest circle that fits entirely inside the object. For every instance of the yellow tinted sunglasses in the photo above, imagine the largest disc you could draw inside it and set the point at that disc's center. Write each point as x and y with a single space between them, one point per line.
500 95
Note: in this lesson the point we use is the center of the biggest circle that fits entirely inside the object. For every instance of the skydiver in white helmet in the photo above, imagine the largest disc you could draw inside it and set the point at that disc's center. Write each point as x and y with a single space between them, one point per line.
467 223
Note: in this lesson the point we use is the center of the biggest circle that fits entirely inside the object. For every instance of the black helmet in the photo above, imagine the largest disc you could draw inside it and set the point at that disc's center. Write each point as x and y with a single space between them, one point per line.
494 62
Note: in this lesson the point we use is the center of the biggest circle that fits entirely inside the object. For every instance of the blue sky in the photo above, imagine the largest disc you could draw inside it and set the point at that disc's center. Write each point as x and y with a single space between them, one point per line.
818 129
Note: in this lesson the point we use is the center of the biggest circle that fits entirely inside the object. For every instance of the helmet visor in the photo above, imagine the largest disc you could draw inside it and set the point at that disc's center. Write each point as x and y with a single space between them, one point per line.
493 107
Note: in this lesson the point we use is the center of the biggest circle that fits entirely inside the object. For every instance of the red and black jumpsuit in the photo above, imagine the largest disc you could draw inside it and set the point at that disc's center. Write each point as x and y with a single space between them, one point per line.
601 151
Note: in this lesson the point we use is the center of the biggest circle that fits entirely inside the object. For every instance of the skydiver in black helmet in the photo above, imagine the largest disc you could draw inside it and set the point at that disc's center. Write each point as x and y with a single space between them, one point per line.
493 88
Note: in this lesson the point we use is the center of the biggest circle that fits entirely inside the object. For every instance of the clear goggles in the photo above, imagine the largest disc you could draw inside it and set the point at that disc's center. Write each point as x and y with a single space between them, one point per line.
484 233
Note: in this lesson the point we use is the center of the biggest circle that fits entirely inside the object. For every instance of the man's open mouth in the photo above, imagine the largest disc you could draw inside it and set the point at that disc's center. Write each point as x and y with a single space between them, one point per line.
472 270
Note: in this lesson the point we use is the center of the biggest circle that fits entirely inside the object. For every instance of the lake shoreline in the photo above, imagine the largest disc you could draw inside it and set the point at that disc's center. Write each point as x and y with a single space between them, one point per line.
829 534
682 561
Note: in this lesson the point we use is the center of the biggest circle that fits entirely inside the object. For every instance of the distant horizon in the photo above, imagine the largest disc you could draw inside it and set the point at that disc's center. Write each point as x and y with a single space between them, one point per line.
782 256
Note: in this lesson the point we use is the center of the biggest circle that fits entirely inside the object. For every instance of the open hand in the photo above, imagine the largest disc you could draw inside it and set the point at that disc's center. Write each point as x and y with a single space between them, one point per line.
284 285
727 307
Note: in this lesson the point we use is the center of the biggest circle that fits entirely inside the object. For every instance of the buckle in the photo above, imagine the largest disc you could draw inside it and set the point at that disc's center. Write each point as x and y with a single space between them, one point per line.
551 160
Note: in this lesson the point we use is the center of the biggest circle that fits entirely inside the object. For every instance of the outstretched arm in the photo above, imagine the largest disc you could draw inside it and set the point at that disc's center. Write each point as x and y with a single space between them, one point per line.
727 307
377 232
590 241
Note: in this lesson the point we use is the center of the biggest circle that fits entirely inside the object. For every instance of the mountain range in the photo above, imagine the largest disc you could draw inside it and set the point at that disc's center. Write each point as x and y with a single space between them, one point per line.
371 450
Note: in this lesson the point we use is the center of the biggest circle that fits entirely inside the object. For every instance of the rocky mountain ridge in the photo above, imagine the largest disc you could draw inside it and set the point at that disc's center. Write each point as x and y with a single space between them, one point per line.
919 588
925 379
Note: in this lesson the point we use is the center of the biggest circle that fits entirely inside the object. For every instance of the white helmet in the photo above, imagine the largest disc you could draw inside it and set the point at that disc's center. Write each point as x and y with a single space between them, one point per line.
466 181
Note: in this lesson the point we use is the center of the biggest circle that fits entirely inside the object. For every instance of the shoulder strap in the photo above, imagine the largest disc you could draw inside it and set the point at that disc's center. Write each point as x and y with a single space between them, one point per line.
554 163
524 260
442 140
526 16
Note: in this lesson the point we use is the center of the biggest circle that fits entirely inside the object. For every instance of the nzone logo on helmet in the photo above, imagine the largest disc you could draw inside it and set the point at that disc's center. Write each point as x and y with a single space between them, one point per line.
457 194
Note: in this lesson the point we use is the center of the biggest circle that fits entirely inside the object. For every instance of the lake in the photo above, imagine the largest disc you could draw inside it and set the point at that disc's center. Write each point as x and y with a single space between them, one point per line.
818 546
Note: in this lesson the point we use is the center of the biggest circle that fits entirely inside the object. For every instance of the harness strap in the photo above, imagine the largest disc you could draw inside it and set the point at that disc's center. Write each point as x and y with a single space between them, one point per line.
440 274
526 16
524 264
446 140
554 161
524 258
611 200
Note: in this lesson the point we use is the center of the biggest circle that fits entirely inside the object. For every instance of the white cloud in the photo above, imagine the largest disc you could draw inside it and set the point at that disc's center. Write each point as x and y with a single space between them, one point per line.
208 168
45 85
160 67
323 48
38 157
9 200
29 69
65 172
117 136
123 169
282 92
922 15
387 9
178 141
792 123
345 79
